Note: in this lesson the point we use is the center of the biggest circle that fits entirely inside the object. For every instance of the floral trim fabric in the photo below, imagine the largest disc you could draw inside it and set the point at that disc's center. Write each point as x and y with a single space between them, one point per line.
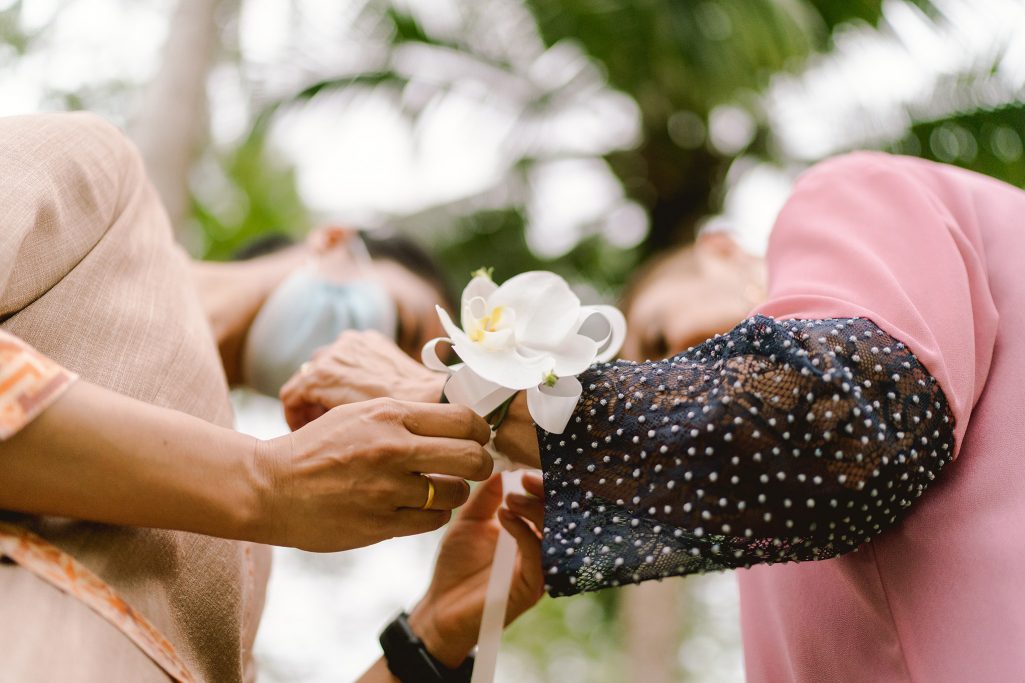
29 383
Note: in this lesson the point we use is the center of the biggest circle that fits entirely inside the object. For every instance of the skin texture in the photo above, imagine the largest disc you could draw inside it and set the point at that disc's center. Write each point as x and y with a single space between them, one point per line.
312 489
109 458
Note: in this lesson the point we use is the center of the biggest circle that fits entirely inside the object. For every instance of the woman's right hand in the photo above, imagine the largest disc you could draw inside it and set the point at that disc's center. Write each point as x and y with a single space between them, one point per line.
351 478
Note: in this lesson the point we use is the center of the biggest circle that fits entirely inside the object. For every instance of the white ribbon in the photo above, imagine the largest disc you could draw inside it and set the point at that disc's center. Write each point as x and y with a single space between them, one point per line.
496 598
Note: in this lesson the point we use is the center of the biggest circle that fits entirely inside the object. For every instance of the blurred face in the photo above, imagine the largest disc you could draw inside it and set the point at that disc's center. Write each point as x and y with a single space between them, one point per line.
340 257
415 299
694 294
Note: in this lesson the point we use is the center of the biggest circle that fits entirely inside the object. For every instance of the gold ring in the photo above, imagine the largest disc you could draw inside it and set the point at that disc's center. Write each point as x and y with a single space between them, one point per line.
430 491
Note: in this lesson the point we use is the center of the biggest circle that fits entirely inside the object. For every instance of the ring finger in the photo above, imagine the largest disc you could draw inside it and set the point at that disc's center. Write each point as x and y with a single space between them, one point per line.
449 492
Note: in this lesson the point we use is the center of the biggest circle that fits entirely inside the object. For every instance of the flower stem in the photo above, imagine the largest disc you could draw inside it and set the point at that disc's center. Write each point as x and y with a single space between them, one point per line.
497 416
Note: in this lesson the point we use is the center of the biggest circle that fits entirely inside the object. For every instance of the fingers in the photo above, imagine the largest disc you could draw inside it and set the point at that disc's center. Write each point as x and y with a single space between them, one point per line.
528 507
533 484
299 413
528 544
484 500
412 522
449 492
455 457
453 421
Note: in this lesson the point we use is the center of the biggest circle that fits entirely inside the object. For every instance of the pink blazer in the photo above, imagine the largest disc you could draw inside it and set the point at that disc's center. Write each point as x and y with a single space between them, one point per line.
935 256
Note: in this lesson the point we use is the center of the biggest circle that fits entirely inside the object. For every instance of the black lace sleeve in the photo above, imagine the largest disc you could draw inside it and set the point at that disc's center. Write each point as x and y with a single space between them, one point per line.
779 441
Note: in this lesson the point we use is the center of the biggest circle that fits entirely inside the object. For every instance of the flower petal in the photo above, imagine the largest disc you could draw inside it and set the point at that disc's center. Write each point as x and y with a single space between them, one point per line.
467 388
574 355
454 332
607 326
546 308
479 287
552 407
497 340
506 367
430 358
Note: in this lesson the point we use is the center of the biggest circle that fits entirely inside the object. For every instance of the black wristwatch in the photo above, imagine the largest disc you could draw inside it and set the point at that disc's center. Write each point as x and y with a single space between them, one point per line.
410 662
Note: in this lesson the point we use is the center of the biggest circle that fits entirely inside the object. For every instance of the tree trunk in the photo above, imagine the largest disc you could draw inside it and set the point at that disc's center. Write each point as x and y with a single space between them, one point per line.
172 122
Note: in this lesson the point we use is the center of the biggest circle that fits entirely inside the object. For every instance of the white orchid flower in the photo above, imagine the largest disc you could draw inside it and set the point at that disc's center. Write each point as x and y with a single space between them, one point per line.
529 333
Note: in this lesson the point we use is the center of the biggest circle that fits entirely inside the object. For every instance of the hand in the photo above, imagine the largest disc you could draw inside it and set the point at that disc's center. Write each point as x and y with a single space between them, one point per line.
517 437
358 366
352 477
448 618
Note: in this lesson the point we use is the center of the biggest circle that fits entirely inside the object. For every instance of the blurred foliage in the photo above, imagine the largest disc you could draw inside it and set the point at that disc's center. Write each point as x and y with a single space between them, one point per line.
677 60
986 140
12 35
261 198
680 60
578 628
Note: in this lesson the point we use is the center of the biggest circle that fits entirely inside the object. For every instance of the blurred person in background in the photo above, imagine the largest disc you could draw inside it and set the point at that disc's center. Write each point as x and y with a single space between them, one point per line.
281 301
131 514
871 403
673 302
682 298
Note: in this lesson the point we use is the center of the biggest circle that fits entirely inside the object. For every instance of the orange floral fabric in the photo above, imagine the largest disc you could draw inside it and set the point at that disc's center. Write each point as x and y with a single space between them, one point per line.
29 383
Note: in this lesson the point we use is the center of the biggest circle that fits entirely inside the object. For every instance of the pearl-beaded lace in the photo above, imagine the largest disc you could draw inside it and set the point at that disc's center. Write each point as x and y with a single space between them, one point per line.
779 441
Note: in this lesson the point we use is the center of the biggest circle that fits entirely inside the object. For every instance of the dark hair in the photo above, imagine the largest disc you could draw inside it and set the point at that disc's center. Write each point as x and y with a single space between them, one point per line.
382 247
261 245
414 258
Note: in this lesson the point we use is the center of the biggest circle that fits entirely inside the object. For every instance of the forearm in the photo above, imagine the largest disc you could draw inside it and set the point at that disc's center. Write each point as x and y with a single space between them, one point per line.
231 295
378 673
100 456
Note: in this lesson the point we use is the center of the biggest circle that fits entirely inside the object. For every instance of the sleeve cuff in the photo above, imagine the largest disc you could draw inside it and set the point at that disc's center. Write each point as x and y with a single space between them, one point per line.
29 384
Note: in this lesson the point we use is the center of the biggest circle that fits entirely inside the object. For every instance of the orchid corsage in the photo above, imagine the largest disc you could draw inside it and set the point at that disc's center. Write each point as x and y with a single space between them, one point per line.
531 334
528 334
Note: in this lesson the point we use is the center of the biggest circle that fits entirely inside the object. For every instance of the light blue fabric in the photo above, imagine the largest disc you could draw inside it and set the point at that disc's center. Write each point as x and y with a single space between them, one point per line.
304 313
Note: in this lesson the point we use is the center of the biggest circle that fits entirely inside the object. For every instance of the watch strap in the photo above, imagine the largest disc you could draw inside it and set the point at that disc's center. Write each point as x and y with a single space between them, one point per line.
410 662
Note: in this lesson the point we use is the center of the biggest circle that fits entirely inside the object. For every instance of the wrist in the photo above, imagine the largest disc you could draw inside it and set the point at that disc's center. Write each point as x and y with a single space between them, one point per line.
261 517
445 647
517 437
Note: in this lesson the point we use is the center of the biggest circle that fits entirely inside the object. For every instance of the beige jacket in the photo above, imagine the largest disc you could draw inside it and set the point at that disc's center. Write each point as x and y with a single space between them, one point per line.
91 277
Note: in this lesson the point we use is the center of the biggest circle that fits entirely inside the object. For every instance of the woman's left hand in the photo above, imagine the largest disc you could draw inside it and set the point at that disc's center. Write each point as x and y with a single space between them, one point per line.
358 366
448 618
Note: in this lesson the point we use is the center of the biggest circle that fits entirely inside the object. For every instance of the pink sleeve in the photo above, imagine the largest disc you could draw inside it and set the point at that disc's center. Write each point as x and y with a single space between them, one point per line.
863 235
29 383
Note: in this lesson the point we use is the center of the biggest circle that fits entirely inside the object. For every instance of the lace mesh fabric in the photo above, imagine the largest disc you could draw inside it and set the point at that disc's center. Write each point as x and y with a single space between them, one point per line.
779 441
